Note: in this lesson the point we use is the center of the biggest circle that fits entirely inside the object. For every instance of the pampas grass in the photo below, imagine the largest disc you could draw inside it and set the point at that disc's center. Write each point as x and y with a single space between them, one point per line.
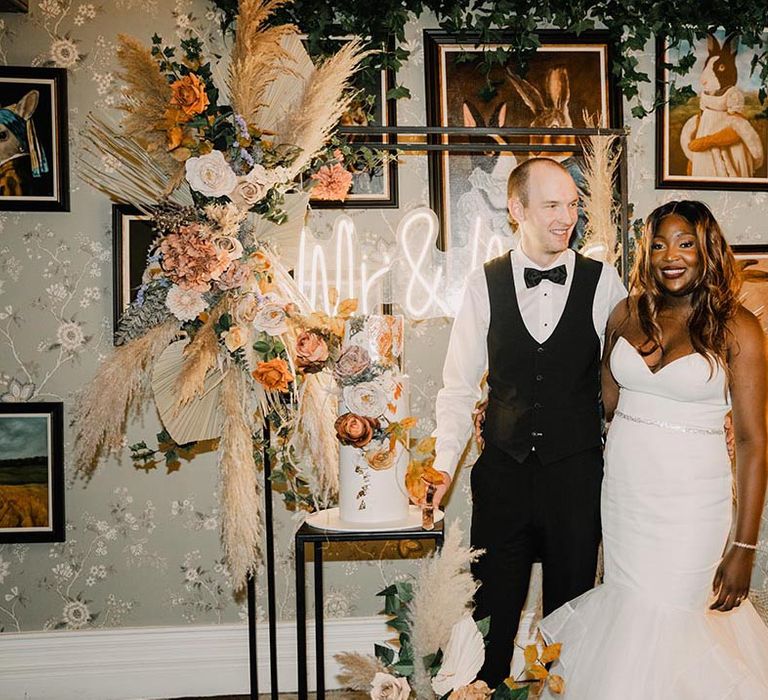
258 56
311 121
442 594
315 434
119 385
358 670
600 161
200 356
146 97
241 521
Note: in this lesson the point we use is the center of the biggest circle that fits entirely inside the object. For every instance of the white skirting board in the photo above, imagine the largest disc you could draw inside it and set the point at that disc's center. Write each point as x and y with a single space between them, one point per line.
168 662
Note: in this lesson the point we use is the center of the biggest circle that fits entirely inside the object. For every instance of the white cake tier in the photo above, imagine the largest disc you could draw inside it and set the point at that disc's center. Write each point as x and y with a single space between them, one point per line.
371 478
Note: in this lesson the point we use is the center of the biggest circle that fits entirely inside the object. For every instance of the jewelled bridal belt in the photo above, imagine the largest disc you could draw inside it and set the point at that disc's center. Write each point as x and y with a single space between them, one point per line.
670 426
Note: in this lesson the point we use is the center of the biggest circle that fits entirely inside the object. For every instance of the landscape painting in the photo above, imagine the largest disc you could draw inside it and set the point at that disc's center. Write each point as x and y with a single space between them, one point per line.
31 472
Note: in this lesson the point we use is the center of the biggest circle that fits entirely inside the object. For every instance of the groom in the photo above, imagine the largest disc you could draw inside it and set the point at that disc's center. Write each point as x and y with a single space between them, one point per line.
534 319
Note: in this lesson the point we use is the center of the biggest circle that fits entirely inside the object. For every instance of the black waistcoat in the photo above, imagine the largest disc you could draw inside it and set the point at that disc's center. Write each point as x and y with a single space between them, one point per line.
543 395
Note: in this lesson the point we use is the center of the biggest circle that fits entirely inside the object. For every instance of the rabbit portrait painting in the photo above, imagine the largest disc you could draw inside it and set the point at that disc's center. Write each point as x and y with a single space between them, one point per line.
712 132
562 84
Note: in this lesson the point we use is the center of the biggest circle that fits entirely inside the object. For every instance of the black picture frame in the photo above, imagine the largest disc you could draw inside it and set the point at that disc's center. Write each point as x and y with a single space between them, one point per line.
385 112
596 51
32 472
39 100
132 238
680 120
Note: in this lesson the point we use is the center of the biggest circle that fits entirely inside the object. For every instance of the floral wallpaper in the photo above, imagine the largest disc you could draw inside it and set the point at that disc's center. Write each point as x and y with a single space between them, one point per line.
142 546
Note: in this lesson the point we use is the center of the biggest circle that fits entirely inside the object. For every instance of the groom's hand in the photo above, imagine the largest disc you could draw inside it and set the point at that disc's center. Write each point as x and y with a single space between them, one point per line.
478 417
730 439
441 488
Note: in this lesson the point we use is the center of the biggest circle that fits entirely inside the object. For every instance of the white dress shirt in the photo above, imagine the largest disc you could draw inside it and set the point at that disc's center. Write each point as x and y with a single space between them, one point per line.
467 360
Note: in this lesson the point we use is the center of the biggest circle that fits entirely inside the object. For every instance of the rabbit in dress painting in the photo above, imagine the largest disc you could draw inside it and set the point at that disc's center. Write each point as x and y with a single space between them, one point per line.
21 158
719 141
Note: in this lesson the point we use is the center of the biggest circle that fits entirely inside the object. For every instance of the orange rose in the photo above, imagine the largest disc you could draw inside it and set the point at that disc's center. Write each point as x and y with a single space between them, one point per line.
188 94
355 430
381 459
273 375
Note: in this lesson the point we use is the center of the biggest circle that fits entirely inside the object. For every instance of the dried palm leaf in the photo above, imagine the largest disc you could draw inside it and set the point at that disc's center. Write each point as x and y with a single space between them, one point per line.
120 167
283 238
198 419
442 595
600 161
358 670
241 522
258 57
325 98
119 385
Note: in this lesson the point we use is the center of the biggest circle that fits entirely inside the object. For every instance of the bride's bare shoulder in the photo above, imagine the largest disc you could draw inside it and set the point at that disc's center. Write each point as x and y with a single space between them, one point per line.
747 334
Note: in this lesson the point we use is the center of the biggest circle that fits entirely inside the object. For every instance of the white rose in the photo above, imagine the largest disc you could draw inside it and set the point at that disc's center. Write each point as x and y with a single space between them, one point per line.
232 247
247 193
366 399
211 175
385 686
271 319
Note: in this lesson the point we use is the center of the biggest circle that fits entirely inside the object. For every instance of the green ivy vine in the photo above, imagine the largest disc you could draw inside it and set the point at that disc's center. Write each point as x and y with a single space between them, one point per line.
631 24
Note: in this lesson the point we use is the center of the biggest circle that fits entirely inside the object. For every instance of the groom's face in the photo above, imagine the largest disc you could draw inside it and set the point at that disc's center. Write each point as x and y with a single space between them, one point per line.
550 214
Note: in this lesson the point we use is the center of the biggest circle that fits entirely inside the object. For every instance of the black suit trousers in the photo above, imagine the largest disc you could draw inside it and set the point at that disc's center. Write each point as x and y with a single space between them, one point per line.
526 512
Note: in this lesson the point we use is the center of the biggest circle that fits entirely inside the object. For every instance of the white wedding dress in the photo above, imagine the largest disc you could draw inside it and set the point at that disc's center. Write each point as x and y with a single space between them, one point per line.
647 632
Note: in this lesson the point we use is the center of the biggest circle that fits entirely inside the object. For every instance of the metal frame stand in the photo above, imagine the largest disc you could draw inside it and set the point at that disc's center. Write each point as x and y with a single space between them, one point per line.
310 535
251 591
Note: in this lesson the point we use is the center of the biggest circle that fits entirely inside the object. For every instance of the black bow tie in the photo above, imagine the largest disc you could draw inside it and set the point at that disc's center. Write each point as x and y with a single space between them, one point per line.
533 276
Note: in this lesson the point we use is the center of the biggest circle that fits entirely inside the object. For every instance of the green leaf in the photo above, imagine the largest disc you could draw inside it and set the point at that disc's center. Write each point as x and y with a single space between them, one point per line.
504 692
385 654
404 591
261 346
399 624
398 93
391 605
403 668
484 625
432 662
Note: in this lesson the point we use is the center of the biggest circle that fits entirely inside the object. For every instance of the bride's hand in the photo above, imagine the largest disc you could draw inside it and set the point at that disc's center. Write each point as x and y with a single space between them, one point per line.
731 584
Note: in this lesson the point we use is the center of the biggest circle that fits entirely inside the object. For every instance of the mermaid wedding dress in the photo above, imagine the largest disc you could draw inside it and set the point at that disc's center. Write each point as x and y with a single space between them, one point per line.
647 633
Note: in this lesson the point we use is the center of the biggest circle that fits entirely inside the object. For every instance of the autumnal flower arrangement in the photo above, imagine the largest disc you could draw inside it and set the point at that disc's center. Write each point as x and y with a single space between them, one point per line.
270 132
216 329
440 648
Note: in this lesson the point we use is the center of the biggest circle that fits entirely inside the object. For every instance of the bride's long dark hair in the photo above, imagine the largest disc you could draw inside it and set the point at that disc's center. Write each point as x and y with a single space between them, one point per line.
715 296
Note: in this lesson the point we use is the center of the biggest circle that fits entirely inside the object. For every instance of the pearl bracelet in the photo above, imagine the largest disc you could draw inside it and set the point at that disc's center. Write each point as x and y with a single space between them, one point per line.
744 545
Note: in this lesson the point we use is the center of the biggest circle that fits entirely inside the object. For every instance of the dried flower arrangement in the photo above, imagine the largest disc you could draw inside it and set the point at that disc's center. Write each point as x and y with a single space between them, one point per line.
440 648
217 327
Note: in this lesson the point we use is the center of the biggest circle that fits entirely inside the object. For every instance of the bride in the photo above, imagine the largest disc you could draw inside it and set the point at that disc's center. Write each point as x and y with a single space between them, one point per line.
672 619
